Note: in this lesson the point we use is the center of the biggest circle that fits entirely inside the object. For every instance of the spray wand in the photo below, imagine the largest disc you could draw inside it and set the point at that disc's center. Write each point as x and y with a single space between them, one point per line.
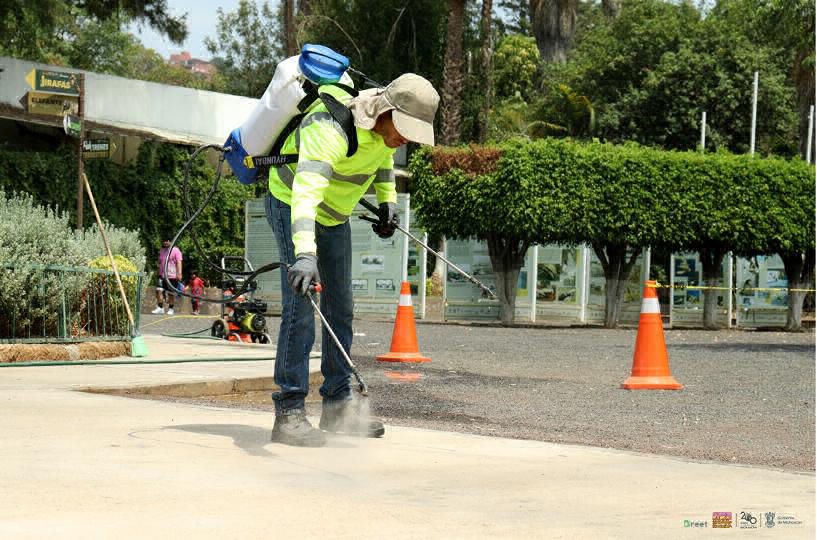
372 208
362 386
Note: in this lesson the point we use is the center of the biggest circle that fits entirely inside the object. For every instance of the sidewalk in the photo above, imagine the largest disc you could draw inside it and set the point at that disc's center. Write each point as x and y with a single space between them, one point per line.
80 465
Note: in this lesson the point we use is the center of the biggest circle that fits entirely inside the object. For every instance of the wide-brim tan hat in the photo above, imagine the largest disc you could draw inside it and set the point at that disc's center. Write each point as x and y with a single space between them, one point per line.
413 101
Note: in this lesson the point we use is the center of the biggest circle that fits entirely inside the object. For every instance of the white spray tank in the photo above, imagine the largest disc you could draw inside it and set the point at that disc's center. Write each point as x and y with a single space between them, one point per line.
279 104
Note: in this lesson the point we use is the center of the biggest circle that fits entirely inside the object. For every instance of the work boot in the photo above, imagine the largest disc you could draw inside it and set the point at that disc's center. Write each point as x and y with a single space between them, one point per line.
292 428
345 417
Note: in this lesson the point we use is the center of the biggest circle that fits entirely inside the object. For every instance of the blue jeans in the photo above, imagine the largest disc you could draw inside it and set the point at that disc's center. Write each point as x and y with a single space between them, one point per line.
297 332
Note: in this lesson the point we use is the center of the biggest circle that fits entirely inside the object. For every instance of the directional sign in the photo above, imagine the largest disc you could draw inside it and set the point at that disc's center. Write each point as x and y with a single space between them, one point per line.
50 104
55 82
97 148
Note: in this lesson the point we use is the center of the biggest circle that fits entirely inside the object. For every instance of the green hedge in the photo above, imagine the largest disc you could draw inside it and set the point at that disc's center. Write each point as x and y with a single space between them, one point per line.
561 191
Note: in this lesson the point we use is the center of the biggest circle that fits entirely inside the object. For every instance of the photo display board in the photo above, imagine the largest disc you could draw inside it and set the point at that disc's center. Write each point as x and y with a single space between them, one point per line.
463 299
377 263
688 304
597 289
755 308
560 277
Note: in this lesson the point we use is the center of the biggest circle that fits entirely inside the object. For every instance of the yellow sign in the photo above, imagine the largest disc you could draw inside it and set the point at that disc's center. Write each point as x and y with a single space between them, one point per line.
51 104
97 148
55 82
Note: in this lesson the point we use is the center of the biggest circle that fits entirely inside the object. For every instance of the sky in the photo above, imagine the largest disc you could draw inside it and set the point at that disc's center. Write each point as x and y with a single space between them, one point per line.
201 23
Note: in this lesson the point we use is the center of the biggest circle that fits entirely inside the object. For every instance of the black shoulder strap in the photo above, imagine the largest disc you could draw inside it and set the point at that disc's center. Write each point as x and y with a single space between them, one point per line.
342 116
346 88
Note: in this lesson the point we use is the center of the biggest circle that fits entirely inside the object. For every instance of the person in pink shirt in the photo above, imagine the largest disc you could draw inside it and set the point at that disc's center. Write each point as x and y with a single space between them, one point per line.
174 277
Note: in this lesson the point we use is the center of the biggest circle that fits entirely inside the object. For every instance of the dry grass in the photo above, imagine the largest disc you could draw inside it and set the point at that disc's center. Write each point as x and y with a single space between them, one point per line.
62 353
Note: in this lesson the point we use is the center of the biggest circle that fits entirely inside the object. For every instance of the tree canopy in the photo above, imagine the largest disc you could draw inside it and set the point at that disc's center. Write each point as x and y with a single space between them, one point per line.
38 29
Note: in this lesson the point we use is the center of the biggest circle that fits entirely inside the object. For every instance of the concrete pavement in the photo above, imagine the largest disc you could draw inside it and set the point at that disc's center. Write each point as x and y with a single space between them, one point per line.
80 465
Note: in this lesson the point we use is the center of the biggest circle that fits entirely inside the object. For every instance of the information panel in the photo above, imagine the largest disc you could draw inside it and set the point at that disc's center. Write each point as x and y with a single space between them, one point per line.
688 304
597 290
559 283
260 248
756 308
463 299
377 263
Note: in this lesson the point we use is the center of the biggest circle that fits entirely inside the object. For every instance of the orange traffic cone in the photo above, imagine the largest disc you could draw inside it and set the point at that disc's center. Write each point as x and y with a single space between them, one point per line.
404 340
650 360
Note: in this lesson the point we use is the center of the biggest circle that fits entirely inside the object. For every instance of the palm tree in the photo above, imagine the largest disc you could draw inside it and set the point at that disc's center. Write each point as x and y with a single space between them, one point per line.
290 44
453 77
453 86
611 7
487 54
553 23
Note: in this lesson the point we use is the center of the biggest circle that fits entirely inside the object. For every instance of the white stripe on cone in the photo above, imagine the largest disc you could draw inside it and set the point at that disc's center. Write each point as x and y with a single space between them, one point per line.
650 305
405 300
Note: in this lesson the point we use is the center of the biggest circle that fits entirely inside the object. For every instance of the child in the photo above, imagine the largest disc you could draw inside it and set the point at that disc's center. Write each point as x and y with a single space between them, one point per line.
196 289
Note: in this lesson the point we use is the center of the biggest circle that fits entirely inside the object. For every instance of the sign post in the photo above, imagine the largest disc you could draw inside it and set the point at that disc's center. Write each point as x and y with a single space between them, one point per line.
80 164
55 93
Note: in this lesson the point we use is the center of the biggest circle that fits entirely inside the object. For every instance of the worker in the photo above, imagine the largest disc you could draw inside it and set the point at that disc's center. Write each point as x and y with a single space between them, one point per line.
308 207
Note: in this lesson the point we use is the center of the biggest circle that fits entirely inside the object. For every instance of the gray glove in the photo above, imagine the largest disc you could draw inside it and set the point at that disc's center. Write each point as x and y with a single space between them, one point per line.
388 220
303 273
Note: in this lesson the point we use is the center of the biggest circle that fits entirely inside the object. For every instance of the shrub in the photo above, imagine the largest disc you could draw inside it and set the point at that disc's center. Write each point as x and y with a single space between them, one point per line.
32 298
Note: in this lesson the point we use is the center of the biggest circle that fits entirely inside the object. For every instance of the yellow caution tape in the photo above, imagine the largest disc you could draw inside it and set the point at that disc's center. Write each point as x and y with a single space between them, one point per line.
705 288
176 317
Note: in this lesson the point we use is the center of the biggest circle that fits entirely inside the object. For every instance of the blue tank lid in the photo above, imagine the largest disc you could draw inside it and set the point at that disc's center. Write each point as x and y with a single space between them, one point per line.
322 65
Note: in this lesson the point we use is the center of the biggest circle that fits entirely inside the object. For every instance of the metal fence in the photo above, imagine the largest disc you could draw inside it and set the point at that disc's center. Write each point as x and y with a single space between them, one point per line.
59 304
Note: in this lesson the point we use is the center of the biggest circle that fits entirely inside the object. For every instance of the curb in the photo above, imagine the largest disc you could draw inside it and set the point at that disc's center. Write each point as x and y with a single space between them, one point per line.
200 388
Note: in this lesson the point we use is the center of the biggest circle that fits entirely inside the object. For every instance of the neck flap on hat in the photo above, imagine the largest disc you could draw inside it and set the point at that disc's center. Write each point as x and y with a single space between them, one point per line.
368 105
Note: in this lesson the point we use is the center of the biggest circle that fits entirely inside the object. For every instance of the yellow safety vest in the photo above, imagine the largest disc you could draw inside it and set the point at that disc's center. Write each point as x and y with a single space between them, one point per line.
325 185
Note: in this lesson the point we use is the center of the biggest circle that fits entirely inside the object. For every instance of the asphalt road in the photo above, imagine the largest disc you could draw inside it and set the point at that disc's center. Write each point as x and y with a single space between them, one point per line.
749 397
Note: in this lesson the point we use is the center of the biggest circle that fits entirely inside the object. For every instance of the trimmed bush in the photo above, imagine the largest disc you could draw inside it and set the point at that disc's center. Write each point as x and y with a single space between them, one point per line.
617 199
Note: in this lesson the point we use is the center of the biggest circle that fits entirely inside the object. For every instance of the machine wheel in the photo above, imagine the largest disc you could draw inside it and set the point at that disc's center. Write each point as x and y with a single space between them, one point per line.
264 339
219 330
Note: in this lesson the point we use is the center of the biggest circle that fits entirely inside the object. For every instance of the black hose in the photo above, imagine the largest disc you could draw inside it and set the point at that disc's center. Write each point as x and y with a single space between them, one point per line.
186 204
190 218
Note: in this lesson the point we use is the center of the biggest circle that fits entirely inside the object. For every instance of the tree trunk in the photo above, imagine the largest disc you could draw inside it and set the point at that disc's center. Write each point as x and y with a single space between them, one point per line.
611 8
804 80
304 7
507 258
506 291
617 268
800 275
487 69
553 23
712 260
290 44
453 84
439 266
